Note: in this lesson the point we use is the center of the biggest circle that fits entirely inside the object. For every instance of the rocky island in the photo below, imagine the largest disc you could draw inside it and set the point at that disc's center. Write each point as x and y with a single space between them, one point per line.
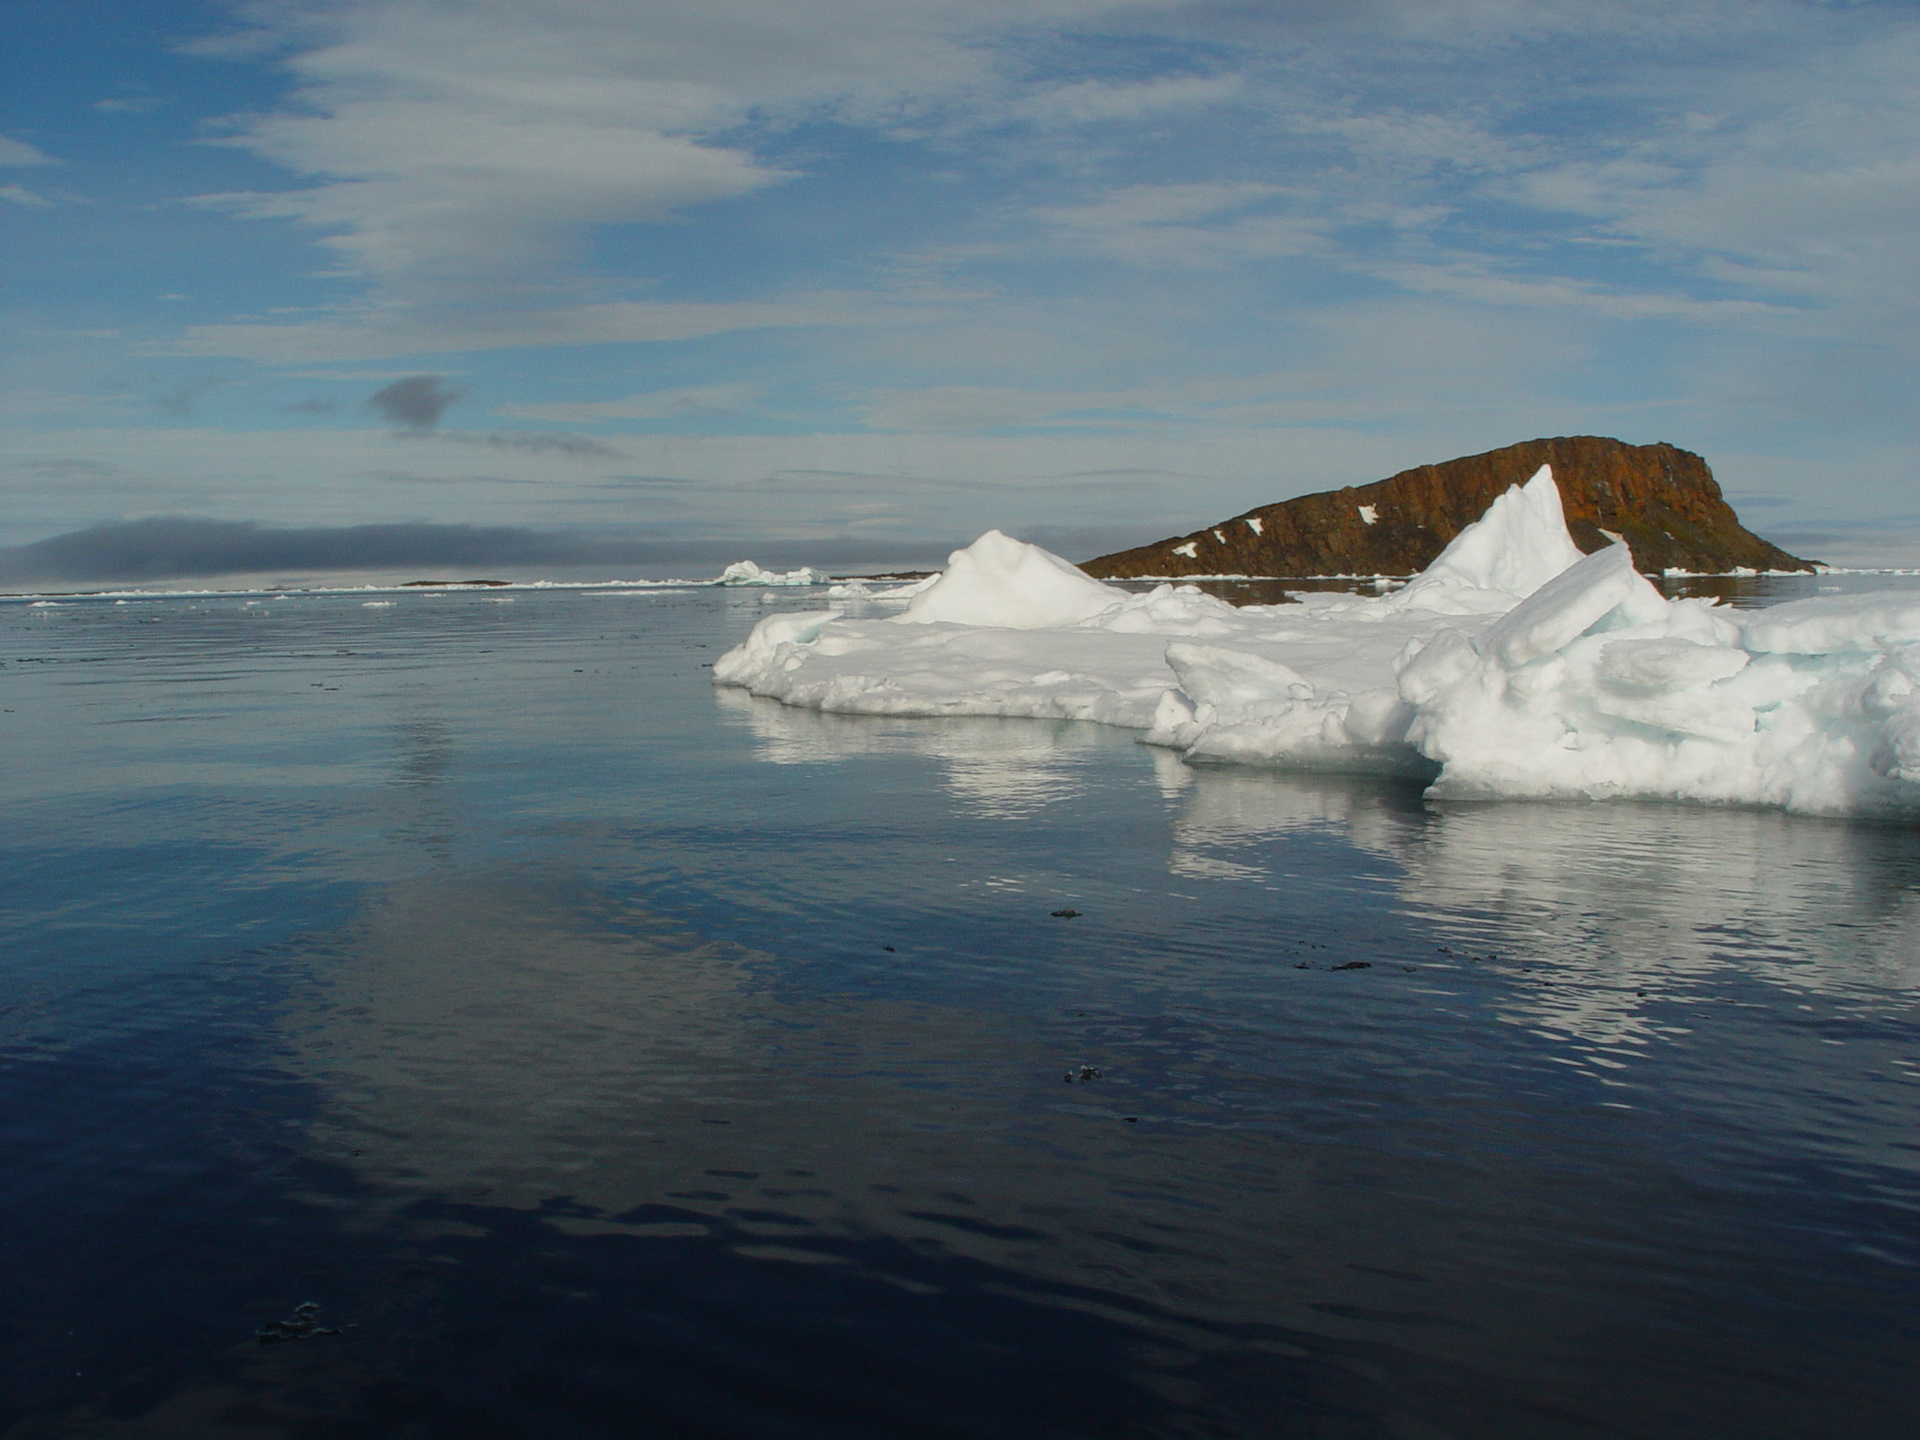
1663 501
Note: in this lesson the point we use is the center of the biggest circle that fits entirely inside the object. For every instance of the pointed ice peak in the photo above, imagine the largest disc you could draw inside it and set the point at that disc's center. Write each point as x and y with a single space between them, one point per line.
1515 548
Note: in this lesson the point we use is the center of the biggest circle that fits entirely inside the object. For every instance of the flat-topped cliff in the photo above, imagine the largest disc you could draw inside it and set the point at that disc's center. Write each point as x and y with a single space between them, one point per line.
1663 501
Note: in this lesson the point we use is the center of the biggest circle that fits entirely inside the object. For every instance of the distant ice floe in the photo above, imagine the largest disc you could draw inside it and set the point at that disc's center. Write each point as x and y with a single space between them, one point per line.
745 572
1513 666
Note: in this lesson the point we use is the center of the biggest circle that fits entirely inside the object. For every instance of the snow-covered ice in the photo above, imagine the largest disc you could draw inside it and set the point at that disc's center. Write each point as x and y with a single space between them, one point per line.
745 572
1512 666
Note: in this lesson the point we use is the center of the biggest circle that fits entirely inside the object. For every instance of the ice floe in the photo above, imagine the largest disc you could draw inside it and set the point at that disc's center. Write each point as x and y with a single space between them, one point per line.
1512 666
745 572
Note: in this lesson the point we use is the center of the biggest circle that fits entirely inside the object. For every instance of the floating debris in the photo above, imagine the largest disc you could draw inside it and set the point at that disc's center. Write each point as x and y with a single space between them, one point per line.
300 1325
1352 965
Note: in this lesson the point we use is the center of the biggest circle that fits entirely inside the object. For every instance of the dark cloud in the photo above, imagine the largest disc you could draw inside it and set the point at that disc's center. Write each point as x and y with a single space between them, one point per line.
322 405
415 403
179 547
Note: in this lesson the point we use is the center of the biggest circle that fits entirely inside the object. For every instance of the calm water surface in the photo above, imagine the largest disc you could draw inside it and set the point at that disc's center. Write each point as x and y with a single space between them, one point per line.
611 1057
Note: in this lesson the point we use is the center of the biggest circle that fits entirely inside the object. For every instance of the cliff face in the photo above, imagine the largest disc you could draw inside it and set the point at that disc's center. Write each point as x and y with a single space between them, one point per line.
1662 501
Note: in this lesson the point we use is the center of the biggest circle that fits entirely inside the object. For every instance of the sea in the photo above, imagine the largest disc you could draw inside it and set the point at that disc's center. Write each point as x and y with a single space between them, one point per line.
442 1013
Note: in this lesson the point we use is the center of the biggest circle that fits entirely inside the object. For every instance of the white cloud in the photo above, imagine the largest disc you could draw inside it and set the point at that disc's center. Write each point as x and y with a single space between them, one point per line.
434 201
459 156
20 195
465 146
1485 282
1794 176
1188 225
19 152
1097 101
1466 380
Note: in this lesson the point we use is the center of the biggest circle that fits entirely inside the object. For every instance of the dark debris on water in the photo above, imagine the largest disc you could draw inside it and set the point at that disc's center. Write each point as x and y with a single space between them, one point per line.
302 1324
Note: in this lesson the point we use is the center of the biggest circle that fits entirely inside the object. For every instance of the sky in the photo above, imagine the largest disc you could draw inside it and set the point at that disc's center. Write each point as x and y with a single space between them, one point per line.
855 280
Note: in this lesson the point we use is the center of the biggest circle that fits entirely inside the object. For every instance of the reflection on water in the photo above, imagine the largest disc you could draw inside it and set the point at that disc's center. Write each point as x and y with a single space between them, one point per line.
495 1039
997 768
1683 888
1620 927
616 1057
1632 890
1619 933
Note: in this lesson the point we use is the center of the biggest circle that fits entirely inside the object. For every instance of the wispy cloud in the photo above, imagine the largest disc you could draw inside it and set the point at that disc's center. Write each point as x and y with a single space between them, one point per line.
458 161
71 470
1187 225
1086 102
382 332
685 402
533 442
130 104
19 152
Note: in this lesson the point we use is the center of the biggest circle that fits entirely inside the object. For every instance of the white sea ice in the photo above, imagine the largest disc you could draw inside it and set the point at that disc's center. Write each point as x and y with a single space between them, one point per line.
1004 582
1864 623
745 572
1512 666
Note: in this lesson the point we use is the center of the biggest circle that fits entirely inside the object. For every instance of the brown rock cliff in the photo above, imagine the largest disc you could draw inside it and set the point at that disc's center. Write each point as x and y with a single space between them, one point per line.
1661 500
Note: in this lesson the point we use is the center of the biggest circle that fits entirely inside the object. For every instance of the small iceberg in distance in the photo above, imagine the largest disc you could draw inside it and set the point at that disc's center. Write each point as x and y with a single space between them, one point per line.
1513 666
745 572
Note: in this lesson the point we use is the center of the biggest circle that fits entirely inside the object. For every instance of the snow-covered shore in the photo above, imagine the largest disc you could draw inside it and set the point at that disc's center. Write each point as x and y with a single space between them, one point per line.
1513 666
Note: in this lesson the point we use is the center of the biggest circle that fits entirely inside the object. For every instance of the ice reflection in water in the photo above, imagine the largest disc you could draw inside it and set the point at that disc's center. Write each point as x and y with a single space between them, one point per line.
1718 948
1629 894
1001 769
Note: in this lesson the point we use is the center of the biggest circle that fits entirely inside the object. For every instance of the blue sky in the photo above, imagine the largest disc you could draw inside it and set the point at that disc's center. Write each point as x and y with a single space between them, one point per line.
873 277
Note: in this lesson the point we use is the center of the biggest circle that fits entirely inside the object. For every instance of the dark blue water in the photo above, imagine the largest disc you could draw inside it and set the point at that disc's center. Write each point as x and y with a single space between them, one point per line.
608 1057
